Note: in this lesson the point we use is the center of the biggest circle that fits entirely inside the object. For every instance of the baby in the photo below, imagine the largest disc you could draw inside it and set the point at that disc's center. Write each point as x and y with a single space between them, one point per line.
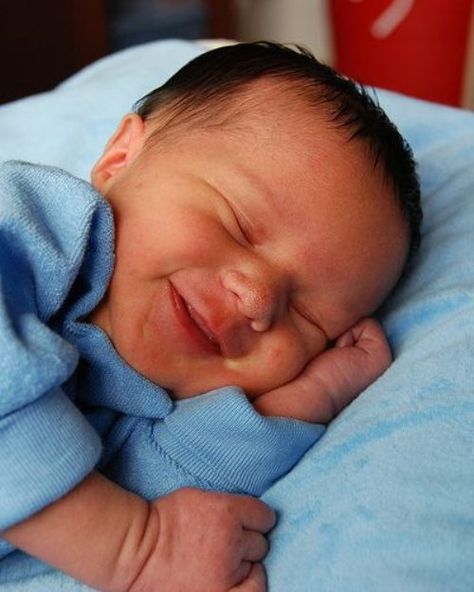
263 207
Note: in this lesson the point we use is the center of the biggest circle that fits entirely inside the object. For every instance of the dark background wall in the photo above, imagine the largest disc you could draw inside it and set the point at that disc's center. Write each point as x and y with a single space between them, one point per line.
42 42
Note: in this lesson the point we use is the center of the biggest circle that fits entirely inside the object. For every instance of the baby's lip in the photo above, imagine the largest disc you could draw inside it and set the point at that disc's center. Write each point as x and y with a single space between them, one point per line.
201 323
197 330
224 337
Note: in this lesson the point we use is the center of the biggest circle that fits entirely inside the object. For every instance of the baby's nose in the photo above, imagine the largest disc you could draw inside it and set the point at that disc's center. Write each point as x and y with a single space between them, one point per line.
257 297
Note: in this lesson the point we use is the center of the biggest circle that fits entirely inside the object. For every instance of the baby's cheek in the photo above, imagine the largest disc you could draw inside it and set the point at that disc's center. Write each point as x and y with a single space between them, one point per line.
274 364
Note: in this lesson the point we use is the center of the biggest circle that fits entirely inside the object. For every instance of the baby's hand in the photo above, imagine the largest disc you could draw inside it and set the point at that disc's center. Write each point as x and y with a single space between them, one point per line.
207 542
334 378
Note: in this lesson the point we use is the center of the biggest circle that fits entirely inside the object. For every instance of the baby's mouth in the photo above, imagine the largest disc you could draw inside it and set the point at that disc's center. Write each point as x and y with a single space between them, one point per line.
194 324
200 323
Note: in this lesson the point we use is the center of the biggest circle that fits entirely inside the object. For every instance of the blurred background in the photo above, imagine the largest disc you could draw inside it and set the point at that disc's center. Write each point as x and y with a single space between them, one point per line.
424 48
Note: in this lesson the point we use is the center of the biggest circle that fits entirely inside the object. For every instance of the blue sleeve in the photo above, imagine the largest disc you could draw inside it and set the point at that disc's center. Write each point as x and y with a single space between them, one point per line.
46 444
213 441
222 439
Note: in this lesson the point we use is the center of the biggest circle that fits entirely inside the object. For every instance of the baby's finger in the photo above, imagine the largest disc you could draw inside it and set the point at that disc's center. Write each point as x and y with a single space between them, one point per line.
346 339
255 515
255 546
255 582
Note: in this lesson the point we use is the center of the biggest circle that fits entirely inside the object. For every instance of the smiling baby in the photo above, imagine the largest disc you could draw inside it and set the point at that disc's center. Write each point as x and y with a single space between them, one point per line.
243 225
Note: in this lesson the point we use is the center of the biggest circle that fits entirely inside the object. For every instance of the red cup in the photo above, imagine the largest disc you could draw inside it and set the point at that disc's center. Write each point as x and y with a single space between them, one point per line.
417 47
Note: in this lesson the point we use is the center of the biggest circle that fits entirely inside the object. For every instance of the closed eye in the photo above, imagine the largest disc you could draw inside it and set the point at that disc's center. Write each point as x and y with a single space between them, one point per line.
240 223
242 228
309 318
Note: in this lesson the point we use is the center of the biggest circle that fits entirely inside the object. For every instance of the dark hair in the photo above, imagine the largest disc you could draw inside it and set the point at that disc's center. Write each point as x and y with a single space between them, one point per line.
220 74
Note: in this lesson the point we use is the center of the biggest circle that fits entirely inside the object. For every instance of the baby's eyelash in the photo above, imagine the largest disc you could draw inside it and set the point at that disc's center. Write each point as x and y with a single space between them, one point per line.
242 228
240 224
237 219
313 322
302 314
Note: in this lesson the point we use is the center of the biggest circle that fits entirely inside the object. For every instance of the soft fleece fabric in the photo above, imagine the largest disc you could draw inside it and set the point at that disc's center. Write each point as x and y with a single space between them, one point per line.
63 387
384 501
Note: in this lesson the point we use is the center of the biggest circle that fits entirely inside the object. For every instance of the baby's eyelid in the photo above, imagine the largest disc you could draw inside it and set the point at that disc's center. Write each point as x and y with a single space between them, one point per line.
240 224
242 228
300 313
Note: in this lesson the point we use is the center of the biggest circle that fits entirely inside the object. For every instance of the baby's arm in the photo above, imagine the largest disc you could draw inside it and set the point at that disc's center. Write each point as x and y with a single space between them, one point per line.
332 379
190 540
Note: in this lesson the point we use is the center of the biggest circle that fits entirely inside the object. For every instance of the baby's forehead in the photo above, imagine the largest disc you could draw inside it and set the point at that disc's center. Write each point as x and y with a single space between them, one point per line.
275 119
270 99
275 101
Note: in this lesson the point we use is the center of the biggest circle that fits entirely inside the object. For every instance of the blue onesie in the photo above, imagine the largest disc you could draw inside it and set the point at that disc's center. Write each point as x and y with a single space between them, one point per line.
69 404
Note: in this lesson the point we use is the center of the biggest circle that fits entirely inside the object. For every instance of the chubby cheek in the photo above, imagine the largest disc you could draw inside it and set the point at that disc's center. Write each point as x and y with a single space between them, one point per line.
276 362
202 251
155 244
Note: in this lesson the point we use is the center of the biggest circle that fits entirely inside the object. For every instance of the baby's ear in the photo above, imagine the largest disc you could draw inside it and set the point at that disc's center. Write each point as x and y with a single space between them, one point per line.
122 149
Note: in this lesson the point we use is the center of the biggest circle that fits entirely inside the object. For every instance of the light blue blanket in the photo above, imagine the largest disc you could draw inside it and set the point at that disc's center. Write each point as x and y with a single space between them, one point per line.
385 501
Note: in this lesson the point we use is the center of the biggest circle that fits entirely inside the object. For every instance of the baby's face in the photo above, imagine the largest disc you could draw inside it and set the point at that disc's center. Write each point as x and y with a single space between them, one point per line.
241 254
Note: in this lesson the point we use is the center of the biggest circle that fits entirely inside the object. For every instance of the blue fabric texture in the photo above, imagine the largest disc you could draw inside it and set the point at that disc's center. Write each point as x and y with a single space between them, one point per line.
384 501
55 264
44 438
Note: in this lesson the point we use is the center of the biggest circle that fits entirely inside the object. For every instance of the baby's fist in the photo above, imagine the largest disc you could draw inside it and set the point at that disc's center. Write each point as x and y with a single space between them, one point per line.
359 357
208 542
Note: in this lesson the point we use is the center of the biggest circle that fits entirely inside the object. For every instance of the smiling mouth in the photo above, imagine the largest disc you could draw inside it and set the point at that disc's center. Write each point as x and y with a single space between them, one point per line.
194 325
